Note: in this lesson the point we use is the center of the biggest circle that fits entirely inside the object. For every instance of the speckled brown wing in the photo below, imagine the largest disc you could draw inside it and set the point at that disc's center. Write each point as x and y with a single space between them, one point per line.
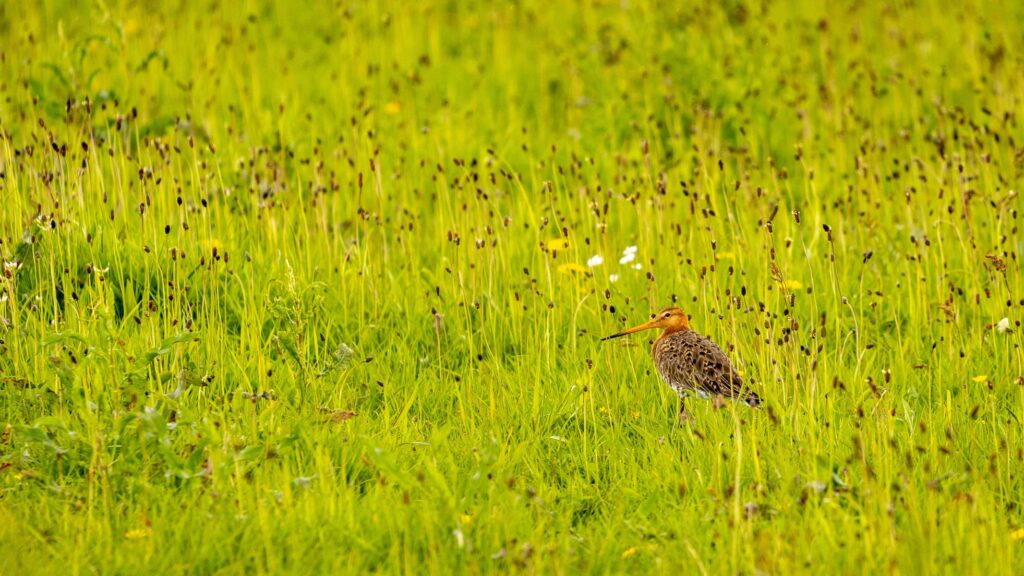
688 361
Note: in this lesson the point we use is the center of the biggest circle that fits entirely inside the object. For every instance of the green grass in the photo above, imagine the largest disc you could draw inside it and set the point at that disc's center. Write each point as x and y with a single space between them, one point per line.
305 289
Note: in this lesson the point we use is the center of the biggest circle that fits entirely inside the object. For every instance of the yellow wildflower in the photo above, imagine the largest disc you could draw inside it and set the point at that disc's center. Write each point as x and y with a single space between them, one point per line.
571 267
558 244
137 533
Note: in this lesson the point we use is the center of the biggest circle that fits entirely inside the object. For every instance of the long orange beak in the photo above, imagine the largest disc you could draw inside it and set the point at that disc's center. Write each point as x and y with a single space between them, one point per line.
645 326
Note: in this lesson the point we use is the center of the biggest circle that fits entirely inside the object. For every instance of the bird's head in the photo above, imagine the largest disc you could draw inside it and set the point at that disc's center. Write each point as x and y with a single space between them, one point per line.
670 320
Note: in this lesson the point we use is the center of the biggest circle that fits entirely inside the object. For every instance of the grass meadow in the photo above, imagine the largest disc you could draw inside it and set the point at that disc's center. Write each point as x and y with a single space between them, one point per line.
319 288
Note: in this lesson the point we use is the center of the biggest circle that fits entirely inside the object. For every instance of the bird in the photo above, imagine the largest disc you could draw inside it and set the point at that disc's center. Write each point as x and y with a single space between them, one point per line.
690 362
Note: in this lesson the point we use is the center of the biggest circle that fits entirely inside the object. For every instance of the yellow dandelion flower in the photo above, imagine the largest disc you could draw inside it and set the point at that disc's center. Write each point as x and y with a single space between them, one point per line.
392 107
725 256
558 244
629 552
981 378
792 285
571 267
466 518
137 533
1017 534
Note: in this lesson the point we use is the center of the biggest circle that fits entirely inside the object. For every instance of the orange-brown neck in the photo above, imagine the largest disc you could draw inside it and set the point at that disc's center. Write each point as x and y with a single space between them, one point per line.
674 328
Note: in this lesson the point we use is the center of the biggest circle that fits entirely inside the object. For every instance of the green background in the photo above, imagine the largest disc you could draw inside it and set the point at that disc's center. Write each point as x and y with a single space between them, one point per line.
305 288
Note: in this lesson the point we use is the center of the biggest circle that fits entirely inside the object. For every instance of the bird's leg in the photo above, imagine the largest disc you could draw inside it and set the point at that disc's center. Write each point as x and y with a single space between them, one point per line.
684 417
718 402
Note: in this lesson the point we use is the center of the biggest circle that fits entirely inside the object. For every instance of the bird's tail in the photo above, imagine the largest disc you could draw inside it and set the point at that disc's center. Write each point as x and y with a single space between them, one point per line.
753 400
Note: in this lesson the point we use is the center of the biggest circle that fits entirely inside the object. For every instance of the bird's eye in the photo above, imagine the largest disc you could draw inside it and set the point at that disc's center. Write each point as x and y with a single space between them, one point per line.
667 314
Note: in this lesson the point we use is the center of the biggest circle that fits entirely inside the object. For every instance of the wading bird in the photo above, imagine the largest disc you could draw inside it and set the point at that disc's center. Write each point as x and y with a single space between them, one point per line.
689 362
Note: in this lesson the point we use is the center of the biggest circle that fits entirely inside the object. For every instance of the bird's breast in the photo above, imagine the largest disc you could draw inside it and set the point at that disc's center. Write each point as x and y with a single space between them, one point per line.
669 354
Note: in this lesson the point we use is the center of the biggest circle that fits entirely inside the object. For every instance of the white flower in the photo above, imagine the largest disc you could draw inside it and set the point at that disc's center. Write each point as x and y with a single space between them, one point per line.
596 260
638 266
12 265
613 278
627 258
629 250
1003 325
